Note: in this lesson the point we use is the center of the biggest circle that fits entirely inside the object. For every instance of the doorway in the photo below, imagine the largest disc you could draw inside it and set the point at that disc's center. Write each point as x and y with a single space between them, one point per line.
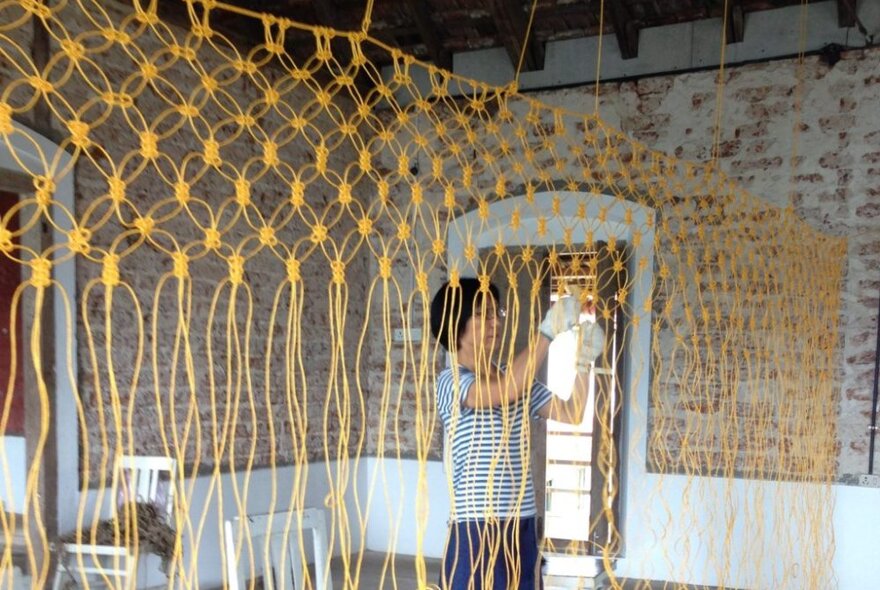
582 479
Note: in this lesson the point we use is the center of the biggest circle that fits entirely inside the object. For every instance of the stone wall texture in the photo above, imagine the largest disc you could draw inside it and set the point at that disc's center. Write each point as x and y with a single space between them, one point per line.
802 135
805 135
224 361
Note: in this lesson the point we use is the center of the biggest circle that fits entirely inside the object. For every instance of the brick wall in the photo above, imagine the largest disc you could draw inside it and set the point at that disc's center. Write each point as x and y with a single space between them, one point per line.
830 186
831 183
246 382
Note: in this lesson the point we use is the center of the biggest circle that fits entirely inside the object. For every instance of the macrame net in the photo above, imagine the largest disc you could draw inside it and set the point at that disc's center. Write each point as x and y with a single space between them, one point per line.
251 227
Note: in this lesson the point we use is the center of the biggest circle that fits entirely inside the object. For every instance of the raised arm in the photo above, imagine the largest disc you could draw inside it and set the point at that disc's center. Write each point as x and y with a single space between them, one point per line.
591 343
495 388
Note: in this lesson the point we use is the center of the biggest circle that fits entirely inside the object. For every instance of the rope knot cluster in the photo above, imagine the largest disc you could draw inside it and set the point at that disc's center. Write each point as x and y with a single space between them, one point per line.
110 270
337 268
385 267
293 274
41 272
44 189
268 237
6 243
236 269
78 240
180 265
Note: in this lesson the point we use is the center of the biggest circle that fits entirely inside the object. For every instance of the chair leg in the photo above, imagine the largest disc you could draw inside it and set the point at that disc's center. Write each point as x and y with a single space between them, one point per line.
56 584
132 572
60 571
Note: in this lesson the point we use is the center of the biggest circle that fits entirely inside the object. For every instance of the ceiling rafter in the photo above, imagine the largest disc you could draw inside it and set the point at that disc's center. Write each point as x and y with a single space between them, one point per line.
326 12
846 13
512 24
625 28
419 10
736 21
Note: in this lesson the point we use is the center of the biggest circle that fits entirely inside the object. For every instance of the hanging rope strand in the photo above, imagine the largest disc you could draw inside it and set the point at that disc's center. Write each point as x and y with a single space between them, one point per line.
798 101
719 88
368 15
525 44
599 56
273 233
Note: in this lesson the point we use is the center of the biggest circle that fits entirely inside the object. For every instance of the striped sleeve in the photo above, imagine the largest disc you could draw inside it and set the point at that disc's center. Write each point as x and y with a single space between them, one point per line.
539 397
449 392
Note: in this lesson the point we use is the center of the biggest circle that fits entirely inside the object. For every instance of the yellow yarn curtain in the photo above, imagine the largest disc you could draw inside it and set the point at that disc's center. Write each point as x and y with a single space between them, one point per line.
249 229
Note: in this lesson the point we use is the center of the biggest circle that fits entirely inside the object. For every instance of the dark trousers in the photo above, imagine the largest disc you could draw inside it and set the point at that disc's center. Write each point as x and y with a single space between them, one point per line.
492 555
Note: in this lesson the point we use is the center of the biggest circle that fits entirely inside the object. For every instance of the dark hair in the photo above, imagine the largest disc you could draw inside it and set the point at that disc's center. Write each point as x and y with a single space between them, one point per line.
452 307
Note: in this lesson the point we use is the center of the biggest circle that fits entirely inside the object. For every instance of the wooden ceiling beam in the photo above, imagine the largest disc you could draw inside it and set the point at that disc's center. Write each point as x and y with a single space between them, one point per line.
625 28
326 12
736 21
328 16
419 11
846 13
512 23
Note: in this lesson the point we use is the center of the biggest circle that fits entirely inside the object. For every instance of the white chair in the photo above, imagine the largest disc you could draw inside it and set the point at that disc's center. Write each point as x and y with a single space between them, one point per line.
145 480
90 566
269 545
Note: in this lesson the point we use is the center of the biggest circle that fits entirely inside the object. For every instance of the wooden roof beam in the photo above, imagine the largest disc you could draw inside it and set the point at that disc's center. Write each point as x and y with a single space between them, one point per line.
625 28
418 9
846 13
326 12
512 24
736 21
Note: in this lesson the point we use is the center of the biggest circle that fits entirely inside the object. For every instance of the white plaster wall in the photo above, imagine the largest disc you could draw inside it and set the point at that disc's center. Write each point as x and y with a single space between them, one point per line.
410 507
856 517
211 505
13 467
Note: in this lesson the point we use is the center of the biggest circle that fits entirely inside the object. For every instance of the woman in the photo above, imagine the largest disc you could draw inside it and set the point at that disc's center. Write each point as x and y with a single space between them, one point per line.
493 540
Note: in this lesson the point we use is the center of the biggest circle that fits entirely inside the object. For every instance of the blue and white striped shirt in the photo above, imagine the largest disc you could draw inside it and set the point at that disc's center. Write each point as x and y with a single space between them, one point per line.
486 450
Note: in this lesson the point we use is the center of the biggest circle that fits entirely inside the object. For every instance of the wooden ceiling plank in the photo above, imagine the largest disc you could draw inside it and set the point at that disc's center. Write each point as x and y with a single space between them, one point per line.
512 23
419 10
326 12
625 28
736 21
846 13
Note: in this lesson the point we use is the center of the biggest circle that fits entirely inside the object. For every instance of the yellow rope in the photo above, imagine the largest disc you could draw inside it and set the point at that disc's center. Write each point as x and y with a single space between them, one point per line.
250 233
599 55
798 99
719 88
368 14
525 43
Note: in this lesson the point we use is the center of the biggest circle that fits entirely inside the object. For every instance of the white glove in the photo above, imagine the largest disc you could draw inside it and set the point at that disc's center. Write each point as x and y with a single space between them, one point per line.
562 316
591 343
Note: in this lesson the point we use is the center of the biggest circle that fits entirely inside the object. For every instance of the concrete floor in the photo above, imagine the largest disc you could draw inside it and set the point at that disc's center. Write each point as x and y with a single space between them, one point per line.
378 571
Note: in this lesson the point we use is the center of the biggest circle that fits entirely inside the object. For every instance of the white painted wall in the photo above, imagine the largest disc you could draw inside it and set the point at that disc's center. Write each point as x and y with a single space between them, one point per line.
13 461
410 506
857 536
212 501
856 516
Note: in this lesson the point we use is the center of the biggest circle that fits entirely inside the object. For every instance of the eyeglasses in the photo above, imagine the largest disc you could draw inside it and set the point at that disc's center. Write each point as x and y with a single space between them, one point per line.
498 313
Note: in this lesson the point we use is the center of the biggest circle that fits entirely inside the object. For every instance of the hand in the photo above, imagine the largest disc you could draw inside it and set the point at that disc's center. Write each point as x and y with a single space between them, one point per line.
591 343
562 316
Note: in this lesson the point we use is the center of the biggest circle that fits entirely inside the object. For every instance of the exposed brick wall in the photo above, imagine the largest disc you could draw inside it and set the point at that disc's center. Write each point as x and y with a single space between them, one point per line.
832 183
205 411
830 186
